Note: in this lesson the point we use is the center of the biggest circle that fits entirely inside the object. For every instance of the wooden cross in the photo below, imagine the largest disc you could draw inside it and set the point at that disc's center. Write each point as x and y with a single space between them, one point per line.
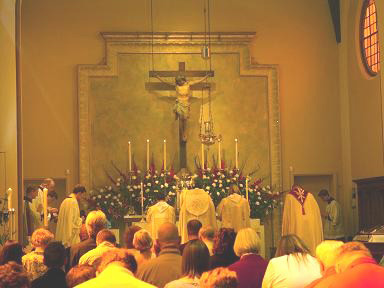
181 72
159 86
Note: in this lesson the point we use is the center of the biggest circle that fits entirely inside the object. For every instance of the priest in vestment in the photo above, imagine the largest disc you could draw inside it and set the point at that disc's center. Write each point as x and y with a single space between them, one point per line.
234 210
302 217
196 204
69 221
160 213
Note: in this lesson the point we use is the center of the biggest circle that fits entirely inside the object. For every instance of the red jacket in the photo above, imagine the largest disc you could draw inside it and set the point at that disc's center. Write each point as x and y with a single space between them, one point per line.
362 273
324 281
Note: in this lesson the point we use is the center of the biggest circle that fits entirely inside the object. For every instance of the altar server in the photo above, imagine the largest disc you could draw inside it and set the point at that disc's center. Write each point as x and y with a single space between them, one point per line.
37 203
69 221
333 218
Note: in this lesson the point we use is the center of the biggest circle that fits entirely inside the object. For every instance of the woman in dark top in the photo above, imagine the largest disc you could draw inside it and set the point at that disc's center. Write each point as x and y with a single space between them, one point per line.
223 254
250 269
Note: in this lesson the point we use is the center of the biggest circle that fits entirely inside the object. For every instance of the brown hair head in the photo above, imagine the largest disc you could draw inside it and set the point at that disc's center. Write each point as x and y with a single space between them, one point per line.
291 244
195 259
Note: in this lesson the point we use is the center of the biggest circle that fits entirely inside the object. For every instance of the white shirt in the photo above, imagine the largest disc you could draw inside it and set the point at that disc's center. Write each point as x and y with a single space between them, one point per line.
94 254
289 271
333 224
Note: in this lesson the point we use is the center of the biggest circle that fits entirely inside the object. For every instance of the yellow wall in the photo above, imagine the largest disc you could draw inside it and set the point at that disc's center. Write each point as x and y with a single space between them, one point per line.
297 35
365 106
8 134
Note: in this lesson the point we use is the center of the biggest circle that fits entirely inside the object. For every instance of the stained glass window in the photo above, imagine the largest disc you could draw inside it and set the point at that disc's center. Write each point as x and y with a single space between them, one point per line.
369 38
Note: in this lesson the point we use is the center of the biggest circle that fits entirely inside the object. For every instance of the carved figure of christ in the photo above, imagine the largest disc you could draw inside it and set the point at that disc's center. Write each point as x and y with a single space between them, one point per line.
183 94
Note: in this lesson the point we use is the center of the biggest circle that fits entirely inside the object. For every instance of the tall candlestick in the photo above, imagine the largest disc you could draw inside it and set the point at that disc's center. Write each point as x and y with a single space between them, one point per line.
246 187
147 154
202 157
219 158
45 206
142 198
236 155
165 155
129 157
9 194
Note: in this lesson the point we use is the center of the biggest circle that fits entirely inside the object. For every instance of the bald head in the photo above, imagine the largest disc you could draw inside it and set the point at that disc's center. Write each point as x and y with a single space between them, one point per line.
168 233
48 183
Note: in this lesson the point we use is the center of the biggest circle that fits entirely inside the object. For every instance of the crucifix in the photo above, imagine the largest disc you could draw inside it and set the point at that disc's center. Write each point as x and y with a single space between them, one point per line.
183 89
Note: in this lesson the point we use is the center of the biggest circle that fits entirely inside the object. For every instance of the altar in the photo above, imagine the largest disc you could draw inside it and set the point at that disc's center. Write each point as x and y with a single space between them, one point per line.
255 224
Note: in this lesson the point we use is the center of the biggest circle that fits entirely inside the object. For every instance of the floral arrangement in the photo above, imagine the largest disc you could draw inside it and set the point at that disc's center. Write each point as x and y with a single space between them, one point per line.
124 194
163 182
216 182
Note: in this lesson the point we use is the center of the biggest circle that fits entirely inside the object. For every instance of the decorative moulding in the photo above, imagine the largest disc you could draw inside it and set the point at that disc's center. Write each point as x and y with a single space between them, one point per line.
180 42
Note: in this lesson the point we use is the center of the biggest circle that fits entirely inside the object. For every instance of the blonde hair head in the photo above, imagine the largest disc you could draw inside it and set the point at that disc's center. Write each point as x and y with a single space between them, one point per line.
219 278
41 238
348 253
247 241
142 240
326 252
95 222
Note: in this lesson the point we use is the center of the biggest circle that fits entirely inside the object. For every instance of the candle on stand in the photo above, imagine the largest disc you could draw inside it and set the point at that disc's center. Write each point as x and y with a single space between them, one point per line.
219 158
202 157
147 154
236 155
9 194
142 198
45 206
246 187
165 155
129 157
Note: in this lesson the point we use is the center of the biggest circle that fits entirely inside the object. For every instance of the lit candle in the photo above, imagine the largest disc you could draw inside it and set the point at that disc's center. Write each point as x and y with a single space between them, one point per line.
219 158
202 156
129 157
165 154
45 206
9 193
147 154
236 155
246 187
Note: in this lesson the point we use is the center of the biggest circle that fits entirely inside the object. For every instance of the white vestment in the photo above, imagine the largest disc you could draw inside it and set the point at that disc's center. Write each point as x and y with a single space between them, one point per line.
333 225
234 212
195 204
69 222
159 214
304 221
36 203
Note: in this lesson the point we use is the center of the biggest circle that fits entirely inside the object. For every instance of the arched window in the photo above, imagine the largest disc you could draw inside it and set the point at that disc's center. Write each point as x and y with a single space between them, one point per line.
369 38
